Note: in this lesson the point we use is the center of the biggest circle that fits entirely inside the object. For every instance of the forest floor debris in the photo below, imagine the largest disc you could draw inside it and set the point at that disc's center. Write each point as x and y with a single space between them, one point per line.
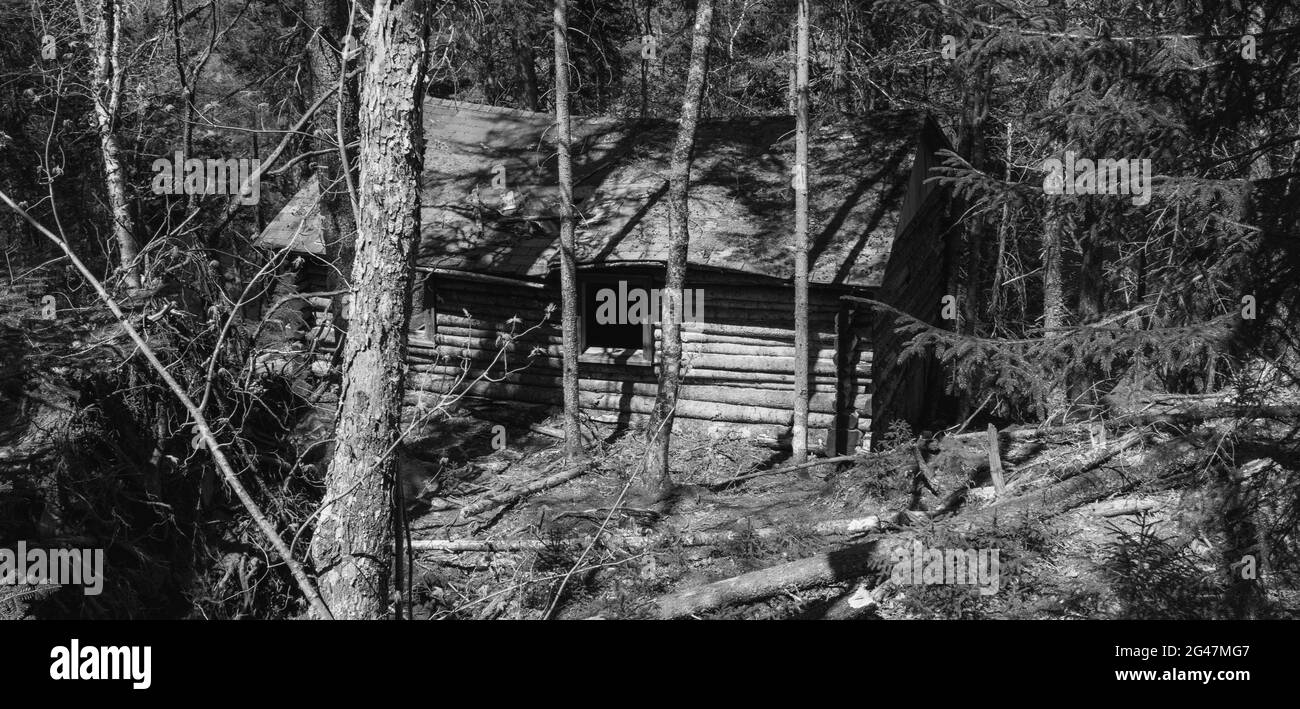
656 557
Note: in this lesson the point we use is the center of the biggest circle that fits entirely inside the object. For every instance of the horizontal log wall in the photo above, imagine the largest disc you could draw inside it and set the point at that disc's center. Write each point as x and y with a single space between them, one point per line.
496 341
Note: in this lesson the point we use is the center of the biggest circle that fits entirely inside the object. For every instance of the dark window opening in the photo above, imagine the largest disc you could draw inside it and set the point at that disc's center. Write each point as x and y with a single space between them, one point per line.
618 335
615 340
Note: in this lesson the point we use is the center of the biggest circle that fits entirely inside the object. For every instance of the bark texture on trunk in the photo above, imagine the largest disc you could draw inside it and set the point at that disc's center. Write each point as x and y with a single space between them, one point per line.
573 450
792 80
995 290
1055 223
679 176
353 544
799 442
1054 227
1092 269
108 93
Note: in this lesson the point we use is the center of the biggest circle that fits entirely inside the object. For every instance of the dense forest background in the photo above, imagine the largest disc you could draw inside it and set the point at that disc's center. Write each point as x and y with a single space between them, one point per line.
1177 313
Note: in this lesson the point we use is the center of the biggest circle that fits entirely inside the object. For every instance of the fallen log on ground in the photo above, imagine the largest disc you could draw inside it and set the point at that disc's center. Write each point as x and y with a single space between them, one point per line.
778 471
505 497
839 565
587 438
1119 508
878 556
1025 433
1184 414
1088 481
859 525
1198 415
1098 458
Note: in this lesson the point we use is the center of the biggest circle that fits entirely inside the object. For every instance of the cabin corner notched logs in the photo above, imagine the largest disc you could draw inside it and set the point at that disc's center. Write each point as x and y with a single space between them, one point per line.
738 363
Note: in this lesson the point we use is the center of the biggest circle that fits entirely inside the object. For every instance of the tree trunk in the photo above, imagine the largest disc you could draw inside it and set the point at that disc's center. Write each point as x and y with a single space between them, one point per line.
186 91
573 450
1055 223
352 546
792 81
966 276
1241 537
679 176
328 22
839 64
1092 273
81 17
645 65
1088 383
995 290
971 147
799 442
108 93
1053 294
524 59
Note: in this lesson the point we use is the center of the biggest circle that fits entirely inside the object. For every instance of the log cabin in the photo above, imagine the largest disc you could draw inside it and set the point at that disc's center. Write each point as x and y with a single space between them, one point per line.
486 300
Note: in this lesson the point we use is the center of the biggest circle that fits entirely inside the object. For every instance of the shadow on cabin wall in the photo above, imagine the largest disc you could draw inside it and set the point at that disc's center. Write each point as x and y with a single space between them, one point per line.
738 367
914 389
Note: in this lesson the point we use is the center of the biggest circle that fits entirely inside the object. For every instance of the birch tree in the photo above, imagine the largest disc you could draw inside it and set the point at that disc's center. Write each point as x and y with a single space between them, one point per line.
108 98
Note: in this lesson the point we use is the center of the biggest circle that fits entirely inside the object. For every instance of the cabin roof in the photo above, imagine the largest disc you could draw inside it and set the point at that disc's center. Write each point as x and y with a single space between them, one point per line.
741 202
